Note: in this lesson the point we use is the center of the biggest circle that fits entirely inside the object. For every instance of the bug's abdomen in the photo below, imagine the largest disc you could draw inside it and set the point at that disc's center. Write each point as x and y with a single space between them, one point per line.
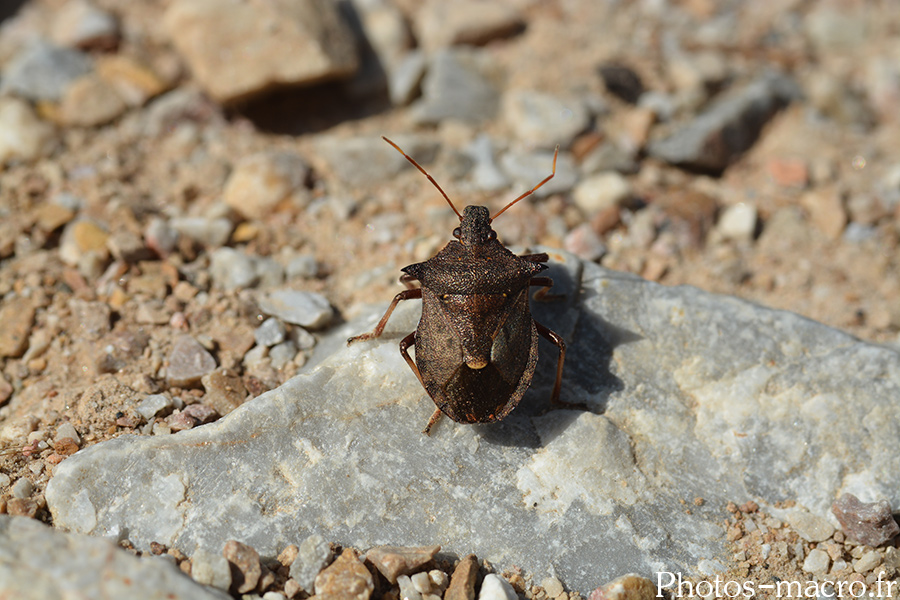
488 393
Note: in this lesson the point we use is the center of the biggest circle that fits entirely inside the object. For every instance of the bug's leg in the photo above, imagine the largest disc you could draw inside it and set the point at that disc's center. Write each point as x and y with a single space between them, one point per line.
404 295
434 419
543 294
538 258
556 339
405 343
407 280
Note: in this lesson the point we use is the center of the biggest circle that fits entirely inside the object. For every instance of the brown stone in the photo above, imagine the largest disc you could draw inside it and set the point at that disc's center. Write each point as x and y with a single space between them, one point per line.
393 561
49 216
90 101
245 567
626 587
869 523
212 37
21 507
225 390
462 582
826 211
188 362
16 318
345 579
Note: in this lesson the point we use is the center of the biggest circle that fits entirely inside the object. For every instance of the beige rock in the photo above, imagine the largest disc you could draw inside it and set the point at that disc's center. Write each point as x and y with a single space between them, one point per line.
345 579
242 48
626 587
393 561
23 135
442 24
90 101
261 181
80 24
134 82
826 210
462 582
16 317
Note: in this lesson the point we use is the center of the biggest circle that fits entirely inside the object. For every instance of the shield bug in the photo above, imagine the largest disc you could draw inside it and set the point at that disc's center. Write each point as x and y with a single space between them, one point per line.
476 342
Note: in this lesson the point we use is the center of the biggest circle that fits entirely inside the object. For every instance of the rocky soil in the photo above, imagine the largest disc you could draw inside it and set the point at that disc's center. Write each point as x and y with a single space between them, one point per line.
193 193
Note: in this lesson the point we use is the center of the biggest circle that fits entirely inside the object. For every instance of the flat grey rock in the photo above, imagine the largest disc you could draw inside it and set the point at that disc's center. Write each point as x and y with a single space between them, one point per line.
43 71
457 86
729 127
690 394
38 562
363 161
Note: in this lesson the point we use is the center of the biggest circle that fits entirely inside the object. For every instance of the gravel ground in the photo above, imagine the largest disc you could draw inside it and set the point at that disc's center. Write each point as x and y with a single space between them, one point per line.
142 202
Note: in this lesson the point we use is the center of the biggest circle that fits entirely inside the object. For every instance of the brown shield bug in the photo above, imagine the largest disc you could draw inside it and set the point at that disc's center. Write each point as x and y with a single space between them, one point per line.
476 342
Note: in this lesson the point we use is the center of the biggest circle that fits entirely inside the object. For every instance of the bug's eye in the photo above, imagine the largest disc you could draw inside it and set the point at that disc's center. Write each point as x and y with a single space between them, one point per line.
457 232
492 235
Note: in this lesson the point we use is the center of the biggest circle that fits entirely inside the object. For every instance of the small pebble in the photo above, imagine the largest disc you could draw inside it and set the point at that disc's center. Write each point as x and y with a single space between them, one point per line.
601 191
810 527
738 222
245 566
486 174
457 87
817 561
462 582
90 101
232 269
209 568
80 24
43 71
22 488
307 309
225 390
405 79
626 587
494 587
188 362
22 507
393 561
869 523
345 579
25 136
552 586
288 555
260 181
867 562
408 591
527 169
543 120
303 267
212 232
201 412
160 428
154 405
421 581
67 430
270 332
180 422
313 555
283 353
584 243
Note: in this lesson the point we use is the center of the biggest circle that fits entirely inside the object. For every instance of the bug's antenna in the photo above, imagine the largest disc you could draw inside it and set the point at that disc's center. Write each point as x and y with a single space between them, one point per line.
532 190
431 179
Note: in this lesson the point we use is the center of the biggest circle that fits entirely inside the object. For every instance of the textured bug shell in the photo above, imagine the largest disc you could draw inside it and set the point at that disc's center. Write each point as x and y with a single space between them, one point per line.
475 313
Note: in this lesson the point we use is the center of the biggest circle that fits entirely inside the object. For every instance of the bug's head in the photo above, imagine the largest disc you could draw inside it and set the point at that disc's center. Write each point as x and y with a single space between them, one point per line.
475 227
